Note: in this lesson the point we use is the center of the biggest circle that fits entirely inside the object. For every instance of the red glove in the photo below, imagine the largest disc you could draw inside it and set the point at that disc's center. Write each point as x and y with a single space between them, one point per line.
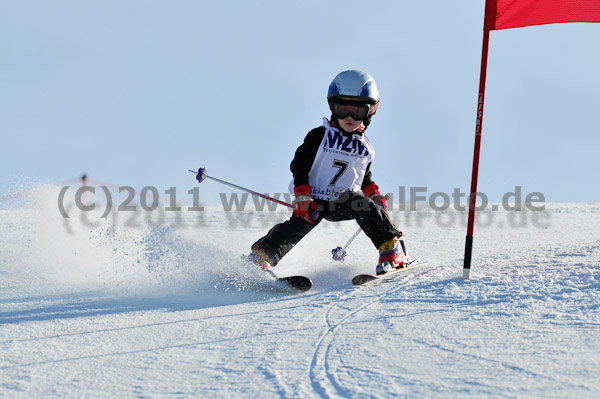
304 206
372 192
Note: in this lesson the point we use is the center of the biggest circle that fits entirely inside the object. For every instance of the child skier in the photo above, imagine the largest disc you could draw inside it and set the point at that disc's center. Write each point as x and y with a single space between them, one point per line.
333 181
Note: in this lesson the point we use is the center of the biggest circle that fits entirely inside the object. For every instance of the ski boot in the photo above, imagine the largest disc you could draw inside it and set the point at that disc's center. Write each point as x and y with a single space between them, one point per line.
392 255
261 258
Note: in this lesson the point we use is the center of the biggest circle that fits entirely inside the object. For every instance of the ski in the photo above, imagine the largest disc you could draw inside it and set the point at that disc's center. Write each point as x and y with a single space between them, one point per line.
297 283
366 278
300 283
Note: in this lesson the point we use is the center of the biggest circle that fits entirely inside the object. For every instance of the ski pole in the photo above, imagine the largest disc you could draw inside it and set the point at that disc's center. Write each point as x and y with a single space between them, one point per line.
201 175
339 253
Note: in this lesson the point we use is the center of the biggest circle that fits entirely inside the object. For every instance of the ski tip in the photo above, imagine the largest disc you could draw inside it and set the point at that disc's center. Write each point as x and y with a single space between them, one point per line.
362 279
299 283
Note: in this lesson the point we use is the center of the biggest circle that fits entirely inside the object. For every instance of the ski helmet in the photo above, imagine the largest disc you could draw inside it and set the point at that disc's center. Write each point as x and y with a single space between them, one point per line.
354 86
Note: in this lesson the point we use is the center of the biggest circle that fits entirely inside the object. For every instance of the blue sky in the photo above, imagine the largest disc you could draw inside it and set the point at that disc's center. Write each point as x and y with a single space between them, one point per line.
138 92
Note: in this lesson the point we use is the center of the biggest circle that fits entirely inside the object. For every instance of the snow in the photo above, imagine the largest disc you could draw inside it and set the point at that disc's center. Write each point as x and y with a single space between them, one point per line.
166 309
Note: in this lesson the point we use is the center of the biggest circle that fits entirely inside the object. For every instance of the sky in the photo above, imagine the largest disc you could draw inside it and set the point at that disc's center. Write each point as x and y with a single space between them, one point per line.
138 92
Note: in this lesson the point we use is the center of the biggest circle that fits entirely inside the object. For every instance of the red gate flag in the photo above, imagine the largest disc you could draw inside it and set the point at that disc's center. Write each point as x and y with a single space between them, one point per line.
506 14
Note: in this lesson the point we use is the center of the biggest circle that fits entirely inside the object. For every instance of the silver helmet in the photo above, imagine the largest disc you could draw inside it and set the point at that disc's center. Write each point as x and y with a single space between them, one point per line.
354 86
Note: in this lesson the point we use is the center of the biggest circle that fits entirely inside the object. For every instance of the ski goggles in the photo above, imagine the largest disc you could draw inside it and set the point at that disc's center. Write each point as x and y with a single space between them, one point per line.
357 111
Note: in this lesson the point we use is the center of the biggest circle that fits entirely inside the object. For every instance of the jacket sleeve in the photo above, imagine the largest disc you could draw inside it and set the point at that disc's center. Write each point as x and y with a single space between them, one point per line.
305 156
368 179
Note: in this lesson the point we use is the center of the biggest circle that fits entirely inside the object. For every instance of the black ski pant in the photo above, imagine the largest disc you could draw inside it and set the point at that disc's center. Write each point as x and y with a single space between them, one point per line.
372 218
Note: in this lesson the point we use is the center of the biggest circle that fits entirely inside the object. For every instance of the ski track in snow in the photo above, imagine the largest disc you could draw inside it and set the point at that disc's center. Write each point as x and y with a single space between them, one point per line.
324 385
155 311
